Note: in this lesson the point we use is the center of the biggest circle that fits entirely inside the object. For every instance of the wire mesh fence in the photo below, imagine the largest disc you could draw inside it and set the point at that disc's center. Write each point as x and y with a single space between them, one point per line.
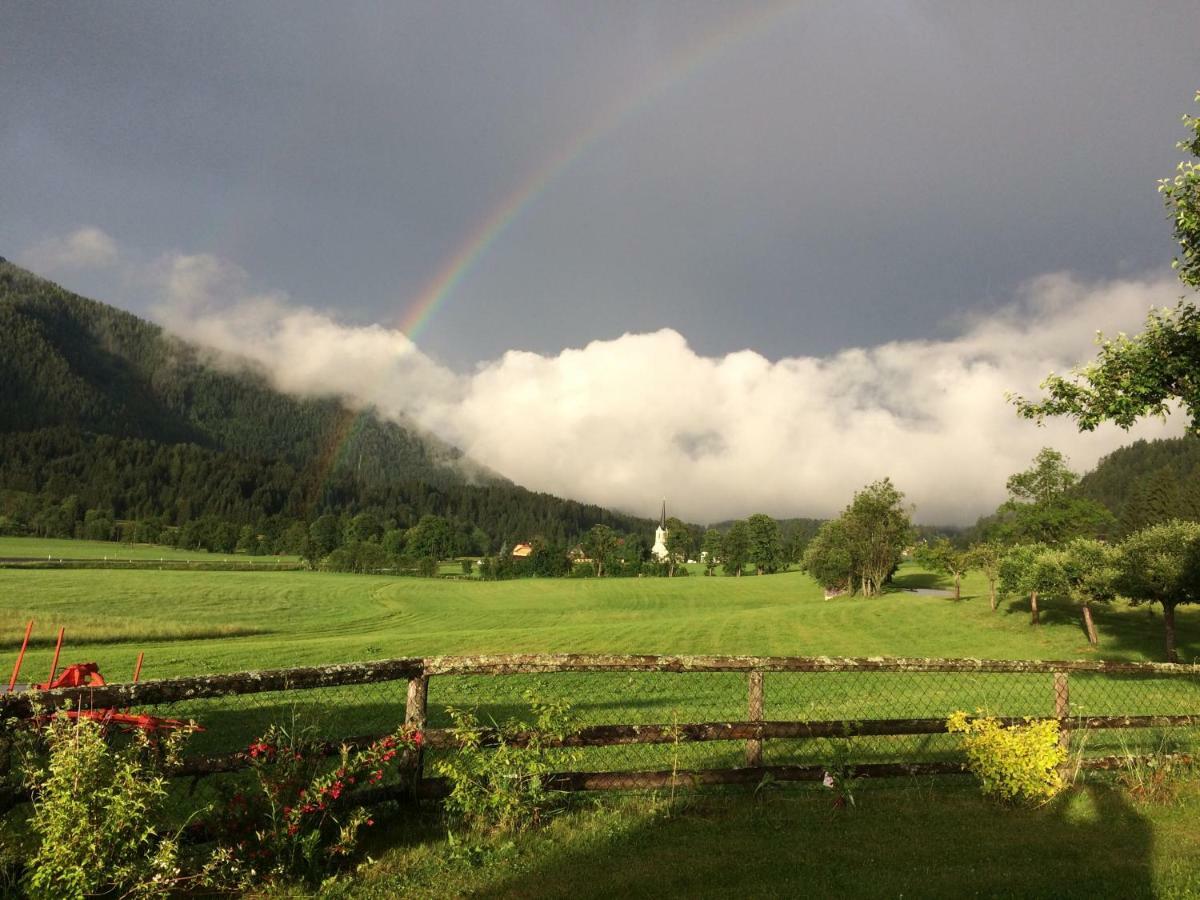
628 716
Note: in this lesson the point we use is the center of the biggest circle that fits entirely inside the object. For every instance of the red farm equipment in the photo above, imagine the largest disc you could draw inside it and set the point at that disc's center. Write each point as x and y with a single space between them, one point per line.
87 674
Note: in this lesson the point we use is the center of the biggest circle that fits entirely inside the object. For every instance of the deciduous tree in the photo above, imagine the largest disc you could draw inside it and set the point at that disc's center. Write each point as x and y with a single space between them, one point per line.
1161 564
711 550
1041 509
986 556
766 545
735 549
942 556
877 528
1143 375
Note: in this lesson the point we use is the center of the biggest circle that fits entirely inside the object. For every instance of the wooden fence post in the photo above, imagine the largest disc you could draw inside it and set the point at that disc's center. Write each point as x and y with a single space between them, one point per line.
1062 708
754 746
415 720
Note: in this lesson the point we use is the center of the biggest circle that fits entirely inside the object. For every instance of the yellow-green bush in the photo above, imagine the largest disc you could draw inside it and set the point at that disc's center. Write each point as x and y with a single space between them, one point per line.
1018 762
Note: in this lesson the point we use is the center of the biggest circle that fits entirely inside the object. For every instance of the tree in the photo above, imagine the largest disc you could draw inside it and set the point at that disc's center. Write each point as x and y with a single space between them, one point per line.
679 544
986 556
1034 571
735 549
324 536
766 545
633 553
877 529
364 527
711 550
1161 564
1140 376
601 544
942 556
431 537
1041 508
828 558
393 543
1090 570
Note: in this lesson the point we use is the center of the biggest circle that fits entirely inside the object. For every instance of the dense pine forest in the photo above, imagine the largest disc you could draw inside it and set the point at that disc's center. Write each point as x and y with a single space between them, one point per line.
1147 482
111 428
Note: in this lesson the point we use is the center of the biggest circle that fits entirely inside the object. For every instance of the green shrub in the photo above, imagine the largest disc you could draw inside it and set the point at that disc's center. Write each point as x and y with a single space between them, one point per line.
99 813
498 777
1014 763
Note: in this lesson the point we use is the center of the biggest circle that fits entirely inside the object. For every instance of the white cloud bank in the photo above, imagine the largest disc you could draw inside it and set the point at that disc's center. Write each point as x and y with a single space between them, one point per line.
84 248
624 422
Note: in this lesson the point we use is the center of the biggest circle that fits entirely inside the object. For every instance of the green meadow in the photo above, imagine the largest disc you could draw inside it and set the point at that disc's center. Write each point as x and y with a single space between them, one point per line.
192 623
916 837
50 549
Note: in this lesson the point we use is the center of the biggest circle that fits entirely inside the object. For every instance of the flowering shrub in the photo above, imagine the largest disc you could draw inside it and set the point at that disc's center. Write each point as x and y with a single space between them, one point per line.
99 813
1020 762
498 776
291 826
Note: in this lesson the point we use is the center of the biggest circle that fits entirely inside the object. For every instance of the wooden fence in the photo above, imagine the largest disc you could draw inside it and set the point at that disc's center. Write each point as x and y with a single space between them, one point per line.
753 730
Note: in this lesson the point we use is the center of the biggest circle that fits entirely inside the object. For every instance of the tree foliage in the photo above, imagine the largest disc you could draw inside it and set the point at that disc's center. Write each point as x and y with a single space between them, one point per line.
1144 375
861 549
1161 564
987 556
942 556
735 549
1042 508
710 549
766 544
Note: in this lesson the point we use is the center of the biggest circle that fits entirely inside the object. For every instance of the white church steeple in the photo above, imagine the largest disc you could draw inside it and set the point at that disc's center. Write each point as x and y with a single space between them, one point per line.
659 550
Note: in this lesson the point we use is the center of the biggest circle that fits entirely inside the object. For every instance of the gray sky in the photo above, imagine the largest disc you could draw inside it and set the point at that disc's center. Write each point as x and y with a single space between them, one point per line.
845 173
797 179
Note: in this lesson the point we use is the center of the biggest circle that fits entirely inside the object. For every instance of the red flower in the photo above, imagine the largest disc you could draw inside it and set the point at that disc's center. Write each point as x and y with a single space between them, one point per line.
418 738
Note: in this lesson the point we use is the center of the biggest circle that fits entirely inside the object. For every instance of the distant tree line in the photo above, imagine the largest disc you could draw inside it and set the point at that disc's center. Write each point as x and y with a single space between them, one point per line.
58 482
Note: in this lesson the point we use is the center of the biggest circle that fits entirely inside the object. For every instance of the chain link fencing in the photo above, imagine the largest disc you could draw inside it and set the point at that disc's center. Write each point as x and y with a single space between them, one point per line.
814 713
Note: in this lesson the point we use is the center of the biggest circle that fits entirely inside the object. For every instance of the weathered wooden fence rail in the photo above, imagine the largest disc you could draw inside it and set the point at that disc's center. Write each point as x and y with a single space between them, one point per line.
755 729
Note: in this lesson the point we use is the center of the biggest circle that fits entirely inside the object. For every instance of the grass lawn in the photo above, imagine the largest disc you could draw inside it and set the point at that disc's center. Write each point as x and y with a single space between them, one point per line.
62 548
902 839
184 620
199 622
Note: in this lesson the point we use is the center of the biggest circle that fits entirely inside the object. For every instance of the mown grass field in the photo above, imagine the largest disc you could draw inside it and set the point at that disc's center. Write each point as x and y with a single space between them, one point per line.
200 622
62 548
907 838
183 619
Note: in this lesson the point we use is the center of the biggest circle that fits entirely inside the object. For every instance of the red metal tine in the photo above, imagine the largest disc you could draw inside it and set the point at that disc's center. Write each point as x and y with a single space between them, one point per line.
137 670
57 651
20 657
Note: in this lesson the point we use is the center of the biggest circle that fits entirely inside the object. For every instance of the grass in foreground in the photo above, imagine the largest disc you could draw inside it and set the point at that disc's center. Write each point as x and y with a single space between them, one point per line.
908 839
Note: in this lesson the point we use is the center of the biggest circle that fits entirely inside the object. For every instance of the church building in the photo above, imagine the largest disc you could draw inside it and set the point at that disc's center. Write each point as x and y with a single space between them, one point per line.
659 550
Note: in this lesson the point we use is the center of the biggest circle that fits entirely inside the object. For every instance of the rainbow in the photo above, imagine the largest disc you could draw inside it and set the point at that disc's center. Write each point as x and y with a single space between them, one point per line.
682 66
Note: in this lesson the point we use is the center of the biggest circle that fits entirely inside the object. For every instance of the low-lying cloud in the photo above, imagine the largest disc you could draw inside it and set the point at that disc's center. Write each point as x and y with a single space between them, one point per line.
85 248
624 422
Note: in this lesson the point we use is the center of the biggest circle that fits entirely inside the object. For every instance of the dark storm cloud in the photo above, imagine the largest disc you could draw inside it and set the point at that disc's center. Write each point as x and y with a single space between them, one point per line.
849 174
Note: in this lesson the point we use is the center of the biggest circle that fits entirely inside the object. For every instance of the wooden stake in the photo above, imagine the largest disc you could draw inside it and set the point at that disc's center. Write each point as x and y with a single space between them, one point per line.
754 747
1089 625
415 718
1062 707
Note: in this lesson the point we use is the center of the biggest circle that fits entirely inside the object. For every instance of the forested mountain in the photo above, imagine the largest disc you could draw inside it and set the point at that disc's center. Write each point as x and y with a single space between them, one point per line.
67 360
1147 482
102 411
